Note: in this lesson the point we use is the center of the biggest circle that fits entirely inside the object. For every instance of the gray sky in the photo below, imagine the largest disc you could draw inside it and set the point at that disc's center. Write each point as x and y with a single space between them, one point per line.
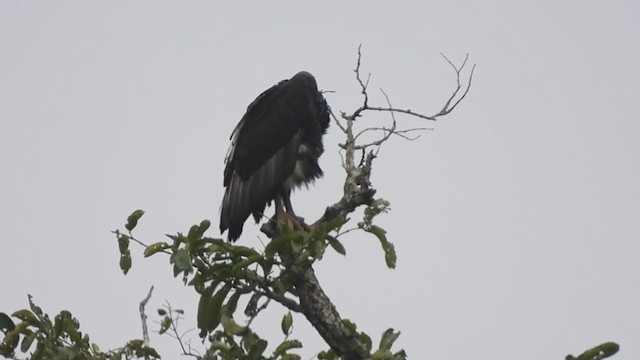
516 220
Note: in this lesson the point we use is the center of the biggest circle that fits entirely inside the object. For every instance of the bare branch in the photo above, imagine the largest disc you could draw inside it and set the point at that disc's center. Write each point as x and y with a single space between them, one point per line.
363 89
447 108
388 132
401 133
408 112
143 318
335 119
357 191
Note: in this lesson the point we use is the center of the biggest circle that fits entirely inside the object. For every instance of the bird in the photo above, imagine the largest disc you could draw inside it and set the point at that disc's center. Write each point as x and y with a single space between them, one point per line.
274 149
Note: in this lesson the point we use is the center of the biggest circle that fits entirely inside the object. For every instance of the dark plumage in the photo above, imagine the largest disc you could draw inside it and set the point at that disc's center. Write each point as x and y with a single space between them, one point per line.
274 148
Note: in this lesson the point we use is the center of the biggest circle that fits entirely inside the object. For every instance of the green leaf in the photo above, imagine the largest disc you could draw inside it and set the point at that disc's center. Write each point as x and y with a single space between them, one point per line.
26 316
377 207
182 260
290 357
198 283
204 225
400 355
232 304
286 323
155 248
6 324
252 275
599 352
382 355
70 325
297 242
35 308
165 325
197 231
243 251
329 226
336 245
132 220
194 231
388 338
327 355
279 243
241 265
365 340
135 344
252 306
205 316
349 325
57 326
214 309
256 350
286 345
230 326
123 244
389 250
148 351
125 263
27 341
317 249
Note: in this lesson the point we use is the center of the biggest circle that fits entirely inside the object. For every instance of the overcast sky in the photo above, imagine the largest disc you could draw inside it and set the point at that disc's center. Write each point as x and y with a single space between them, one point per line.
516 220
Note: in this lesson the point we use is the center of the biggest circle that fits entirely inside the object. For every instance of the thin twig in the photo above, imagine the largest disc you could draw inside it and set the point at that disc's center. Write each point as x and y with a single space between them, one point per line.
132 238
446 109
363 87
337 122
176 335
408 112
401 133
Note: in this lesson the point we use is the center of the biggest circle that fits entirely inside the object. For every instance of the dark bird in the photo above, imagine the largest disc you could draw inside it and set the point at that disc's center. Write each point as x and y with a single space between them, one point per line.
274 148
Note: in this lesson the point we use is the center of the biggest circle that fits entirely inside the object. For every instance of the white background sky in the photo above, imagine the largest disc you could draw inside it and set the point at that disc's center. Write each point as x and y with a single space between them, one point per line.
516 221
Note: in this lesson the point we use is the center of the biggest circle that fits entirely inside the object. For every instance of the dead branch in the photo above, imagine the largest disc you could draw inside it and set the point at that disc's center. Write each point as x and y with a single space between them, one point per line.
450 104
143 318
357 191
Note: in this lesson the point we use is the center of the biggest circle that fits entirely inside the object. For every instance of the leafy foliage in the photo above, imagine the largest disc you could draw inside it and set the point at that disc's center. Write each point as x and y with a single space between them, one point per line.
221 274
377 207
58 339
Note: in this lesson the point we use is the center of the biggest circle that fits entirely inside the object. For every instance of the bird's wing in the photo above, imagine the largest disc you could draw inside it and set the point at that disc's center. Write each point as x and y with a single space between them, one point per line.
269 123
263 152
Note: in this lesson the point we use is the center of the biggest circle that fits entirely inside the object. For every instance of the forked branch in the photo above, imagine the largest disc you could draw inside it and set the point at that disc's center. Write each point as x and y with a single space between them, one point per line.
358 191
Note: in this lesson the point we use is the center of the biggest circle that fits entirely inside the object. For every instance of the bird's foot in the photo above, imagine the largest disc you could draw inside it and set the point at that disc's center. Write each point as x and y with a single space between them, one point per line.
296 222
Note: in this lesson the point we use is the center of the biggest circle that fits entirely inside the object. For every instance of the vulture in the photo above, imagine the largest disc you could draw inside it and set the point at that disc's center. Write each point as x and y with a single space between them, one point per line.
274 148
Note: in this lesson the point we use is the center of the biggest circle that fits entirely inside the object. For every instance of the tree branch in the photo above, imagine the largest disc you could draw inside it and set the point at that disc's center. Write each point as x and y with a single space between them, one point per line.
357 191
143 318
